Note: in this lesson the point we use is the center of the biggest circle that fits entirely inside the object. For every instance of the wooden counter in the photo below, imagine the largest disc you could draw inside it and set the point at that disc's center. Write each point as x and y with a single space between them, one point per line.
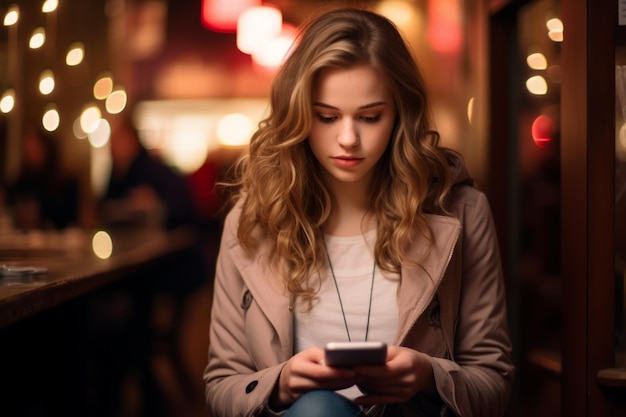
73 269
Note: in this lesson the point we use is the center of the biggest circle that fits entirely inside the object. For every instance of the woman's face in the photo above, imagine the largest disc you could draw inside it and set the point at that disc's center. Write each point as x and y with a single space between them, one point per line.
353 118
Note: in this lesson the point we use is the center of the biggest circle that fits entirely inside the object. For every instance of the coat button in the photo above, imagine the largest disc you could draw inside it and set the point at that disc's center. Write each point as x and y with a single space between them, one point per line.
251 386
246 300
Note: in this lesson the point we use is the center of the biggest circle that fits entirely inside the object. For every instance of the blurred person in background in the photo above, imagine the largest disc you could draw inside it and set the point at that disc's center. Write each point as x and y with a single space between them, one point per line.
43 195
143 192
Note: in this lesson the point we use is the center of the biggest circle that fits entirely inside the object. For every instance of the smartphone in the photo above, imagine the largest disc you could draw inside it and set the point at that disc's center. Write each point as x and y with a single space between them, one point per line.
348 354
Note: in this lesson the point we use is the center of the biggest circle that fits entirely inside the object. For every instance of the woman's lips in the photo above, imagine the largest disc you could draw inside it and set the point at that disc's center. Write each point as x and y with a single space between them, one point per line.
346 161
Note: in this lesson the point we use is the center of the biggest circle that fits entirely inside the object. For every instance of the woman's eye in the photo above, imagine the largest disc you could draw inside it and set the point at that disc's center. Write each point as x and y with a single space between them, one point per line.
371 119
326 119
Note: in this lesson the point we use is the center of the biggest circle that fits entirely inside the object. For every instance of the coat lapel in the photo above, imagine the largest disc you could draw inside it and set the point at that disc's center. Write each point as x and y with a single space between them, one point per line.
421 281
273 299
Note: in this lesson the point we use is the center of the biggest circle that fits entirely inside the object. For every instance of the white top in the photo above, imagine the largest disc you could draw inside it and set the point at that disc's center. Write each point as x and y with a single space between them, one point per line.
352 261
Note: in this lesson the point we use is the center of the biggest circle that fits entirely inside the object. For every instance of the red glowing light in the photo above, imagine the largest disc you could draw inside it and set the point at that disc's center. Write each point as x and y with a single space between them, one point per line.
543 130
444 28
222 15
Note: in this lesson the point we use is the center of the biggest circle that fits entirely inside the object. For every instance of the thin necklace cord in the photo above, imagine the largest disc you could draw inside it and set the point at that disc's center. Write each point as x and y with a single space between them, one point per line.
369 309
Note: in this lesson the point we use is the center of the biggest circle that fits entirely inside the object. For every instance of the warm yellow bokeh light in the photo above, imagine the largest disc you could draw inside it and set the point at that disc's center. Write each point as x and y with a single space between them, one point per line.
187 146
51 119
37 39
537 85
103 87
75 54
184 132
470 110
49 6
7 102
554 25
555 29
116 101
12 16
102 245
90 118
78 130
398 11
273 54
101 135
46 82
234 129
537 61
556 36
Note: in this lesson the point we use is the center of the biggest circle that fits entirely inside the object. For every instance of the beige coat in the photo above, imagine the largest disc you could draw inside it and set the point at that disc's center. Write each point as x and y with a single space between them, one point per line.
452 308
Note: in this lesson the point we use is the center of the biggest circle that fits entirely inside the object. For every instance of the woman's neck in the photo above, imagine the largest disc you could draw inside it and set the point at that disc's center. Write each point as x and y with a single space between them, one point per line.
351 213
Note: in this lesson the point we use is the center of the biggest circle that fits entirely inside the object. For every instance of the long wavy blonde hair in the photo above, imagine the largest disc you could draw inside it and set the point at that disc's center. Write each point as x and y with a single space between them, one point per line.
279 181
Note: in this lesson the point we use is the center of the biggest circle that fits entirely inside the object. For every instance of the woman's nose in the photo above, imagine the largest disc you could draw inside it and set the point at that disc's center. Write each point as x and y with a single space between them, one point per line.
348 135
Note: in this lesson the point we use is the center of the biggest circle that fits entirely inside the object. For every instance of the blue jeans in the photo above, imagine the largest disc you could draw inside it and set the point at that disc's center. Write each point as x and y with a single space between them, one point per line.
323 404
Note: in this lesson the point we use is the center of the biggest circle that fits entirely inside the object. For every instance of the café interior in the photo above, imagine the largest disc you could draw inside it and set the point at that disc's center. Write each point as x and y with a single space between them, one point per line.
531 92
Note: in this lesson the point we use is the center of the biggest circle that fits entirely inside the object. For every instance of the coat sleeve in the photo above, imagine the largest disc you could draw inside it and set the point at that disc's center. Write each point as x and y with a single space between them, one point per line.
234 387
477 381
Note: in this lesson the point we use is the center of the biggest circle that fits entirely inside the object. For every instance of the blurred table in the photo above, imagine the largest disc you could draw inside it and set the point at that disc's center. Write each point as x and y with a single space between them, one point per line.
71 265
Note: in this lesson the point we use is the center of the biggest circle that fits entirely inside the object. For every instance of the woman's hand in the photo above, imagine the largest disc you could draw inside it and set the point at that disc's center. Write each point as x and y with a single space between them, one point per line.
405 373
306 371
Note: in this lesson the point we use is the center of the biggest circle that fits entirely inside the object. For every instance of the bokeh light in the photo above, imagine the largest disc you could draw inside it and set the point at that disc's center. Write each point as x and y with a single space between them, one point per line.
101 134
470 110
46 82
555 74
12 16
234 129
222 15
102 244
78 130
103 87
555 29
75 54
7 102
51 118
90 118
537 85
188 146
116 101
399 12
256 26
37 39
49 6
444 32
275 51
543 130
537 61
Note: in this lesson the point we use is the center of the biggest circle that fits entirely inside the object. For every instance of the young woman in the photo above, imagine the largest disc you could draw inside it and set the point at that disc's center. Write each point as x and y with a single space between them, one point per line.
351 223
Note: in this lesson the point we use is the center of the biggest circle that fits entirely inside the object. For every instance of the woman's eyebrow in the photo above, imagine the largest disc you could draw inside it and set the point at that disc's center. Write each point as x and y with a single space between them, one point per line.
363 107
